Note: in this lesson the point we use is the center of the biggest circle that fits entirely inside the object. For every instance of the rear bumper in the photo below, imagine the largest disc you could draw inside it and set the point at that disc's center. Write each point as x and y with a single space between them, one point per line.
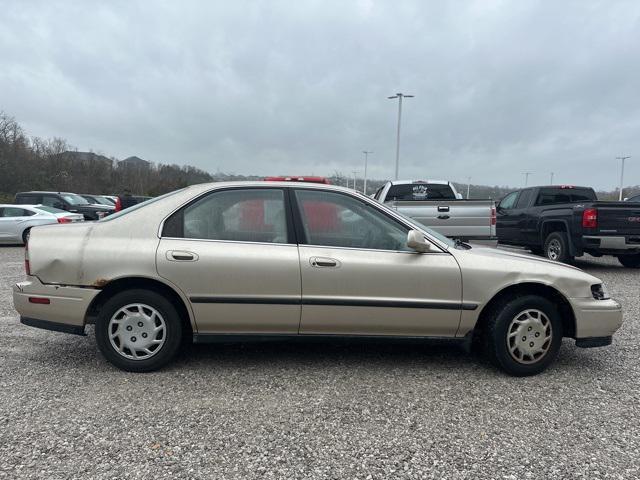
67 305
596 318
610 243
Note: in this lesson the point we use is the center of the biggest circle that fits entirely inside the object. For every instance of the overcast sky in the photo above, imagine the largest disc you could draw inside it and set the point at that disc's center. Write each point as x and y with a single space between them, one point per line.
501 87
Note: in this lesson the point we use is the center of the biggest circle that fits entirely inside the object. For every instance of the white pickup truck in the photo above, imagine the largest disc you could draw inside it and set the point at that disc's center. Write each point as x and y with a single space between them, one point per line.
437 205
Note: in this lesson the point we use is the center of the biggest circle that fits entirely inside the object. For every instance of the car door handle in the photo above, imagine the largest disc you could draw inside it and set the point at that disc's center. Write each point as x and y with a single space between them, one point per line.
444 217
443 208
181 256
323 262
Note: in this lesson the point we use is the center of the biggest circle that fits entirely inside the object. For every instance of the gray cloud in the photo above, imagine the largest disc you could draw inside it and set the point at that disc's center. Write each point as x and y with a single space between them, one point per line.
300 87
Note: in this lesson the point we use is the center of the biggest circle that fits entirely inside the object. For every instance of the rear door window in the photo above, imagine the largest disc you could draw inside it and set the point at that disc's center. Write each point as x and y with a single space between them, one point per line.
524 199
15 212
241 215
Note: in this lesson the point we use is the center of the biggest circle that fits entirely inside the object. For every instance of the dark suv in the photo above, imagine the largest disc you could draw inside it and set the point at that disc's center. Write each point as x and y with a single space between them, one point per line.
64 201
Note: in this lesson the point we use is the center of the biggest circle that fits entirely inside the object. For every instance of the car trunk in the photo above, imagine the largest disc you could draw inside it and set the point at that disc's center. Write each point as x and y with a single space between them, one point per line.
618 218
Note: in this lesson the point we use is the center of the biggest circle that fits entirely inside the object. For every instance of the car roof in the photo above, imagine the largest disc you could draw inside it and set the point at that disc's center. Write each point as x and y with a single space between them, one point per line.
46 191
203 187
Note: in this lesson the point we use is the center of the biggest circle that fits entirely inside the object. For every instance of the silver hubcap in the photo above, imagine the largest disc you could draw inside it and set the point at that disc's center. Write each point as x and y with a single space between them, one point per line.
529 336
554 250
137 331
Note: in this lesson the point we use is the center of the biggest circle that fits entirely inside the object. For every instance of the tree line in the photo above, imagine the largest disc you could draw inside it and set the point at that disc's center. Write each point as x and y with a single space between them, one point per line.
33 163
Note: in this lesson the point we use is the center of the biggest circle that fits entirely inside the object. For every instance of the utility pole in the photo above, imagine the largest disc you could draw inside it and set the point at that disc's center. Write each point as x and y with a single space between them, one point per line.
399 96
354 180
551 182
468 186
621 174
526 177
366 158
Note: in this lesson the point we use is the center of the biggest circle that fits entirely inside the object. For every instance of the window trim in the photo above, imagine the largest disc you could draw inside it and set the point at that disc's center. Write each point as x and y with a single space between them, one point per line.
291 238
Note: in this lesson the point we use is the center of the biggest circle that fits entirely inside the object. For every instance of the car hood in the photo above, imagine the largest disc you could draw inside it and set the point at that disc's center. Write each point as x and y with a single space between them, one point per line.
492 269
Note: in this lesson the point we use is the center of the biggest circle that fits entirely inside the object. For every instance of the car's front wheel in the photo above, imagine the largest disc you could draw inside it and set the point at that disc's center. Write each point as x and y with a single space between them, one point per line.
523 335
138 330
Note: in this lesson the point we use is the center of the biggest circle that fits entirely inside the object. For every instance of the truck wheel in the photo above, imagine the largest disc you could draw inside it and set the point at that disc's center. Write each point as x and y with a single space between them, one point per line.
138 330
556 247
630 261
523 335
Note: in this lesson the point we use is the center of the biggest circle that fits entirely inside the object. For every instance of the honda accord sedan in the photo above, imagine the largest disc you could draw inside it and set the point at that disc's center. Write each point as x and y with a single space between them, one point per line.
225 261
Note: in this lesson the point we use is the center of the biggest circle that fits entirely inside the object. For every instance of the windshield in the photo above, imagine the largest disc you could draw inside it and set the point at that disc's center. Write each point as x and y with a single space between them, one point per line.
104 201
137 206
74 199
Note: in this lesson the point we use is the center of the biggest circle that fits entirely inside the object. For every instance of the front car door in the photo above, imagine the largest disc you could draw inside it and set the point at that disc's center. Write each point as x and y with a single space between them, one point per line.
506 221
232 253
360 278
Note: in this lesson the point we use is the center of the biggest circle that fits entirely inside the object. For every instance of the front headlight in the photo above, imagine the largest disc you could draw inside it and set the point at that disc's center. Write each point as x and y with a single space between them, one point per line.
599 292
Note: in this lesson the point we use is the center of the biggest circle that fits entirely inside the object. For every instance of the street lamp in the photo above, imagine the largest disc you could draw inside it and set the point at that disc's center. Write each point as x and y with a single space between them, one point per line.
551 183
399 96
622 174
468 186
354 180
526 177
366 158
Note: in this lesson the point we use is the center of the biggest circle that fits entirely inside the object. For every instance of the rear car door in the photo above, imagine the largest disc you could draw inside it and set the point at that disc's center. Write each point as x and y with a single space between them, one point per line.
360 278
232 253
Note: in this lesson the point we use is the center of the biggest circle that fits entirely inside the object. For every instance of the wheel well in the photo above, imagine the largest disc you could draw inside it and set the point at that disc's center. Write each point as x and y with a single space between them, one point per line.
550 227
122 284
564 307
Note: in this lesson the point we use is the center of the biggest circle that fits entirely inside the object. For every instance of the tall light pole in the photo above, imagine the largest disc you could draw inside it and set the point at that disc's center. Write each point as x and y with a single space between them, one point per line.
468 186
399 96
551 182
526 178
366 159
621 174
354 180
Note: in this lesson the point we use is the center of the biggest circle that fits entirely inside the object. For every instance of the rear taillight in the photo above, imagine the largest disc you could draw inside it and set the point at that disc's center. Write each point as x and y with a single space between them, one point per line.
27 267
40 300
118 204
493 215
64 220
590 218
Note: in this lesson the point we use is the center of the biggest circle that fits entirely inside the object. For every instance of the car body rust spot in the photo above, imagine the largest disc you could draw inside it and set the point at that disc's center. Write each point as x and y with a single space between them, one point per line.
101 282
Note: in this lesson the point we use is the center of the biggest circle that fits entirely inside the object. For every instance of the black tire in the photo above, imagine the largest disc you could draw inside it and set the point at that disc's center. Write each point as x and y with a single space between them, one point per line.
556 247
630 261
171 336
537 250
497 339
25 235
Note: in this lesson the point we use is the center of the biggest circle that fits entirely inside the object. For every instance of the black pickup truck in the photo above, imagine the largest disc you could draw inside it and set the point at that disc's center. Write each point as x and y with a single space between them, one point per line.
563 222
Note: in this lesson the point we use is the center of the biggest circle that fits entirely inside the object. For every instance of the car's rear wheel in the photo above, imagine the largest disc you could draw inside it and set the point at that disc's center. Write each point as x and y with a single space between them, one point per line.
630 261
556 247
138 330
523 335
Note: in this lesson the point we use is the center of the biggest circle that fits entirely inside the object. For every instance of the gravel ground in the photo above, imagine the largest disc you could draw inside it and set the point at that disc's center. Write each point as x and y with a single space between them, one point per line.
316 410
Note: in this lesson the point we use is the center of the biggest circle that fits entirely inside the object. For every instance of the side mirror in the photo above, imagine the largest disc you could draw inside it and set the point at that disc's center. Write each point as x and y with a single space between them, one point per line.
459 196
417 242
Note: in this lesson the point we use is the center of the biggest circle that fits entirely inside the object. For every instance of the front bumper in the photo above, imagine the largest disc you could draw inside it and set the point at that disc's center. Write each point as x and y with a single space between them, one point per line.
596 318
67 306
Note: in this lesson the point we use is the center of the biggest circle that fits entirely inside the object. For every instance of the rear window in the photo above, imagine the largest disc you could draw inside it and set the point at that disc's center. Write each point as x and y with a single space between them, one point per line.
48 209
420 191
552 196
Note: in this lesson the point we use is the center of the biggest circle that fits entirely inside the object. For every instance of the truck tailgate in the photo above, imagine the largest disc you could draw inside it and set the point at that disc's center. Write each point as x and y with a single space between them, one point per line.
618 218
466 219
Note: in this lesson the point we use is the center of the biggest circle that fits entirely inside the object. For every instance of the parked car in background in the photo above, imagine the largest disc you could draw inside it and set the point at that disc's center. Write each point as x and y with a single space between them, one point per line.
437 205
67 201
16 221
635 198
563 222
127 200
98 199
298 178
224 261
